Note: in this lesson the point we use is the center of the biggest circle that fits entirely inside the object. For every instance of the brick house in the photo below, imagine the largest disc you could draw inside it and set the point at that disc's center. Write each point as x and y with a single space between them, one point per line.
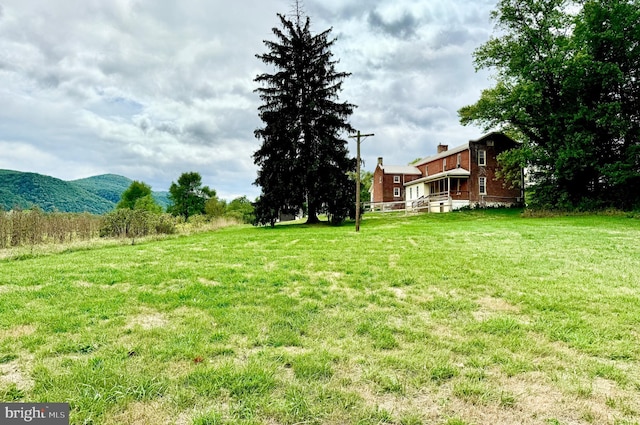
454 178
388 184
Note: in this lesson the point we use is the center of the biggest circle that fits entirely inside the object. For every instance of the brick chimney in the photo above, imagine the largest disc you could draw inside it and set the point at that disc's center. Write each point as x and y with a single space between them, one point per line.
442 148
379 160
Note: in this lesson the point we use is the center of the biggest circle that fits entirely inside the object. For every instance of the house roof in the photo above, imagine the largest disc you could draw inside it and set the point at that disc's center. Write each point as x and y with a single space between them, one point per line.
446 153
401 169
458 149
456 172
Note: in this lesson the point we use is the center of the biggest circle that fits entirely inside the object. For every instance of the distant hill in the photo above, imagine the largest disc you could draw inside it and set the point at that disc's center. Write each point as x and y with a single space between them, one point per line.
162 198
97 194
111 186
107 186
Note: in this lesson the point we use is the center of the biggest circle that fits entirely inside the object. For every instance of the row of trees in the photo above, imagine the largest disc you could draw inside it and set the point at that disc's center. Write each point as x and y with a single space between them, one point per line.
189 197
568 86
138 214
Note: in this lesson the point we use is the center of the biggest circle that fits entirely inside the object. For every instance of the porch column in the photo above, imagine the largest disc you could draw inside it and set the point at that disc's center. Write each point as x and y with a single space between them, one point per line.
449 194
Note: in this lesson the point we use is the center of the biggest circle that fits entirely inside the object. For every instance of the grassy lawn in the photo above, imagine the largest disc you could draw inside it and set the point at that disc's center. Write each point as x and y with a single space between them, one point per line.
464 318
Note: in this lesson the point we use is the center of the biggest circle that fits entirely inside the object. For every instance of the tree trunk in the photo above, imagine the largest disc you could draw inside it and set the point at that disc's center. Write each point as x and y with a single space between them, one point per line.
312 214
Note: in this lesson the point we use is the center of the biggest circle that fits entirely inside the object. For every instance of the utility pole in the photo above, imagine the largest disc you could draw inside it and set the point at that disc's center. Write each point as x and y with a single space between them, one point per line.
358 137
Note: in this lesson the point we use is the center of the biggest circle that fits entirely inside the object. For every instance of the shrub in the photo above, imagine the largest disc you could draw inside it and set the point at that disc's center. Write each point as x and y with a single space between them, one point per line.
241 209
126 223
165 224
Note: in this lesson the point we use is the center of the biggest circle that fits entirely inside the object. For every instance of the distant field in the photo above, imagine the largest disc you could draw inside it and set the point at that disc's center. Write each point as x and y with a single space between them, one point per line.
463 318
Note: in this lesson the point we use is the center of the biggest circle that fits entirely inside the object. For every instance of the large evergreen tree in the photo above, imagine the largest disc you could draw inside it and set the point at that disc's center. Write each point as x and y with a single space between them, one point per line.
303 161
567 85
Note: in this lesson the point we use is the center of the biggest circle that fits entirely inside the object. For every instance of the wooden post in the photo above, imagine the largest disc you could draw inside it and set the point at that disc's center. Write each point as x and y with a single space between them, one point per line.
358 137
358 183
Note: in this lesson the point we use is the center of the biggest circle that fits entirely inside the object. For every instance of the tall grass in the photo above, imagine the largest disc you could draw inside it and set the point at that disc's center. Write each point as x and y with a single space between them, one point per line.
33 227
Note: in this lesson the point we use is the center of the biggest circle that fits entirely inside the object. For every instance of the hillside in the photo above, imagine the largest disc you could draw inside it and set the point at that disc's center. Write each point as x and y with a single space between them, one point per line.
97 194
162 198
107 186
111 186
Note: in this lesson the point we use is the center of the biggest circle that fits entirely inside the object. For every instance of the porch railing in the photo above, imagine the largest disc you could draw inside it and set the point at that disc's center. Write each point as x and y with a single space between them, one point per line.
384 206
438 200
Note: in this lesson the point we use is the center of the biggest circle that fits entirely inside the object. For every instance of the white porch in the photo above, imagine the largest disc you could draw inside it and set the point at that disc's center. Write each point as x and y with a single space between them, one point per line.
441 192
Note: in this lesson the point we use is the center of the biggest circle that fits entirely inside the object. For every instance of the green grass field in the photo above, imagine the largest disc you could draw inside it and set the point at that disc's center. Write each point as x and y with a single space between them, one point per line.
463 318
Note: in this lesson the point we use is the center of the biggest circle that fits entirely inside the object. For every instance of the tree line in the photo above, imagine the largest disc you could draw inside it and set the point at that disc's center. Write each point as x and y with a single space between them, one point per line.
568 87
136 215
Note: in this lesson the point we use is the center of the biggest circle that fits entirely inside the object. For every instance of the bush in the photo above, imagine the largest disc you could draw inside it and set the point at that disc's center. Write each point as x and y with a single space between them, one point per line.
236 215
126 223
165 224
198 221
241 209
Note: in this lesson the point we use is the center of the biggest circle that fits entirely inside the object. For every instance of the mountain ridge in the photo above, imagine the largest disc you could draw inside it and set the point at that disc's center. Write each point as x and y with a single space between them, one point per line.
96 194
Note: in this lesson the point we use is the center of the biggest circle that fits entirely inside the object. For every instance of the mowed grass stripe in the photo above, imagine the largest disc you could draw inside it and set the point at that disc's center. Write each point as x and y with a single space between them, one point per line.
466 318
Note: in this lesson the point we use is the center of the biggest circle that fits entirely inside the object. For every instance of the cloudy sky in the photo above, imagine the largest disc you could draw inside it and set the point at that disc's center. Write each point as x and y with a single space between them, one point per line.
150 89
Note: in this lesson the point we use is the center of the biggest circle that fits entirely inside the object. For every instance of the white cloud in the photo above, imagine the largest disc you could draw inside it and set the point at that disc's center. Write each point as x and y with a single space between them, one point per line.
151 89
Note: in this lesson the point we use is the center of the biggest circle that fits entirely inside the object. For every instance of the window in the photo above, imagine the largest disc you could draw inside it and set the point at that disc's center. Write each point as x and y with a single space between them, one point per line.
380 179
482 182
417 191
482 157
459 160
396 192
410 193
396 179
444 164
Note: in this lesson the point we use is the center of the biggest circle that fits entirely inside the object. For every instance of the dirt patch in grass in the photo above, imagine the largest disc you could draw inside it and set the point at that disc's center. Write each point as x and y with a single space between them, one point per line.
526 399
17 331
5 289
535 399
437 329
398 292
332 277
148 320
425 404
141 413
13 373
496 304
120 286
208 282
271 266
491 305
625 290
